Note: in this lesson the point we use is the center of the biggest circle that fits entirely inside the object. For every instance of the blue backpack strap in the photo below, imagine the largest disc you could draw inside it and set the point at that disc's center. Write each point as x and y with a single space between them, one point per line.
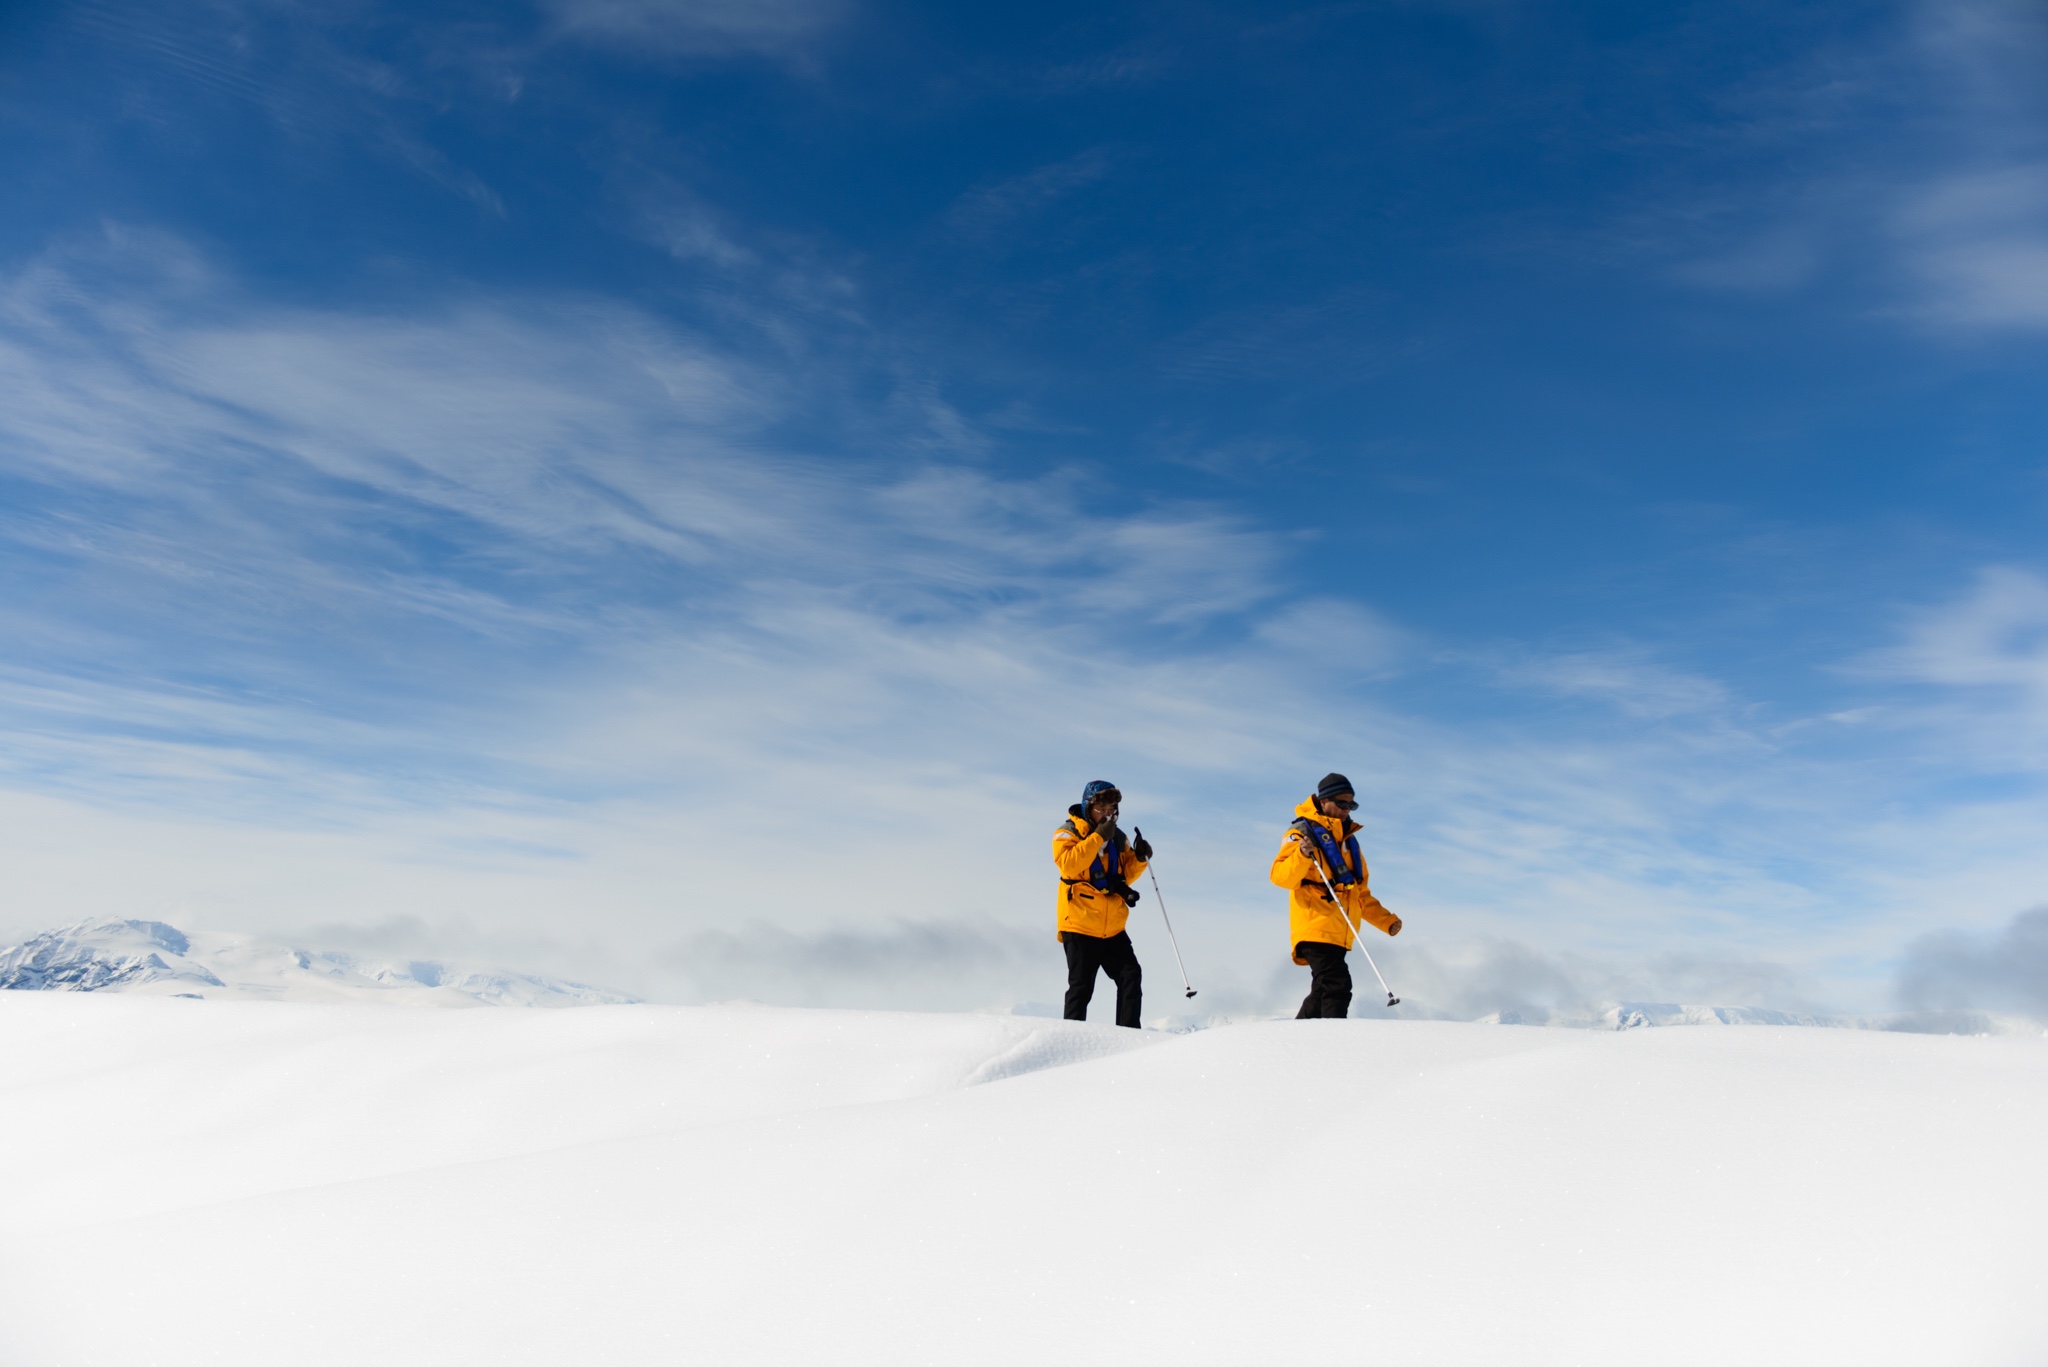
1341 874
1107 868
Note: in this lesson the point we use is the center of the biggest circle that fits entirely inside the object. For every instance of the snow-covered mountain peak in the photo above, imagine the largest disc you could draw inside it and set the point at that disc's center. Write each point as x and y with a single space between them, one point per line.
157 959
105 955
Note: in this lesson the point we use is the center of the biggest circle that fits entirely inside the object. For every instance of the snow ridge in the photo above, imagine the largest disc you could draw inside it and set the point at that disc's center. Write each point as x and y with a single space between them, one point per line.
156 959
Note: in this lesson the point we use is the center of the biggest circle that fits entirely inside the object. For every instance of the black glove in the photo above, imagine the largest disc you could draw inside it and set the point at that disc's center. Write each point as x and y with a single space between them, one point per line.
1127 892
1142 847
1109 833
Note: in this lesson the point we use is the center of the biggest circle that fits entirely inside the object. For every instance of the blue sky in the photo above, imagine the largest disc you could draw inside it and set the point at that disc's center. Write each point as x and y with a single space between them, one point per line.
686 493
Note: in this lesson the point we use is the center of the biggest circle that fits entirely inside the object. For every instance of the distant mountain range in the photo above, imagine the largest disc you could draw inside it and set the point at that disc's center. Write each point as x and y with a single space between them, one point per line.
1638 1015
152 958
155 959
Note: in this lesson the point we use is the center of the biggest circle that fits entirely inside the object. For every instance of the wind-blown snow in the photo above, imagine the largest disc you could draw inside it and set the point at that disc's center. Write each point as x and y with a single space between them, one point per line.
245 1183
155 959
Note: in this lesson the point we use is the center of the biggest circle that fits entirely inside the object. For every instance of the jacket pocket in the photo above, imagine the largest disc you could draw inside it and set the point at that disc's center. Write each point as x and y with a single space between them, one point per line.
1091 915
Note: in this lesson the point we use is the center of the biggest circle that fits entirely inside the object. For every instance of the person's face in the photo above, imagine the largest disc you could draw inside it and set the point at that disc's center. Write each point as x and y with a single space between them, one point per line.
1340 806
1105 808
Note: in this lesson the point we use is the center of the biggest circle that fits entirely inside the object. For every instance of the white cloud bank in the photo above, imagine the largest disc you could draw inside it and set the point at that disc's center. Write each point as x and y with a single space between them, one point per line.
2003 971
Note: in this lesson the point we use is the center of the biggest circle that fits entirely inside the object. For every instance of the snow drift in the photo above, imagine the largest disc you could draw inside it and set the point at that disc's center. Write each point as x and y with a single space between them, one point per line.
245 1183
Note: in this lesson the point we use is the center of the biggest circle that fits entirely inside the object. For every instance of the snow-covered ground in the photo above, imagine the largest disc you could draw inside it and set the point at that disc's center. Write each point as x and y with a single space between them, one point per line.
241 1183
159 960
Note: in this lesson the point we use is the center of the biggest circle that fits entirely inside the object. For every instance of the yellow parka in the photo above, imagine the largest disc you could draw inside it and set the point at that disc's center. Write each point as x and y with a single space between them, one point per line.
1311 915
1084 908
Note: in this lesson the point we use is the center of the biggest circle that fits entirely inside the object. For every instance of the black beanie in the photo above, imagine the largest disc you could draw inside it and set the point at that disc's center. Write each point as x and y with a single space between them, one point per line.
1334 784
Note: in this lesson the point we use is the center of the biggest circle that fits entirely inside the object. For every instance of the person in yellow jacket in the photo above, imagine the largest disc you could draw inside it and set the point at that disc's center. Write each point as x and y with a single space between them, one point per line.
1322 844
1096 865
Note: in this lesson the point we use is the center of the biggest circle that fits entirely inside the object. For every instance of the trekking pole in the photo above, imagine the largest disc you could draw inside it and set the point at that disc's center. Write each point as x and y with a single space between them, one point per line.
1357 934
1169 921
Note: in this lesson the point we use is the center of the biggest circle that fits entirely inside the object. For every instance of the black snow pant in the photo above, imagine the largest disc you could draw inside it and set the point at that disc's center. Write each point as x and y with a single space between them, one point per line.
1329 981
1114 956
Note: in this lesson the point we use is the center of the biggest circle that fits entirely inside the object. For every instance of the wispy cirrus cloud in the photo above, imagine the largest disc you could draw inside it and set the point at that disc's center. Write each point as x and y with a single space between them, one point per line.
529 478
1978 246
1977 666
1941 220
1995 636
998 206
1631 680
509 614
699 28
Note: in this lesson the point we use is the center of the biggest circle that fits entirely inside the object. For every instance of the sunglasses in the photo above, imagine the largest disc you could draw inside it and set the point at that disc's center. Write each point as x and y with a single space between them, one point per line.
1344 804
